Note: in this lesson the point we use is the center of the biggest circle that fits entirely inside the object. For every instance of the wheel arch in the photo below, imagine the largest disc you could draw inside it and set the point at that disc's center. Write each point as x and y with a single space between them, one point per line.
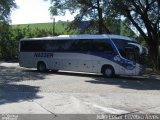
107 65
41 61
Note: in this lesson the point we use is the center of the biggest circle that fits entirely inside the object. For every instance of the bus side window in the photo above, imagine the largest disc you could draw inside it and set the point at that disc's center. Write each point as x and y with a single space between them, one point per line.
32 46
102 46
71 45
74 46
66 45
84 45
50 45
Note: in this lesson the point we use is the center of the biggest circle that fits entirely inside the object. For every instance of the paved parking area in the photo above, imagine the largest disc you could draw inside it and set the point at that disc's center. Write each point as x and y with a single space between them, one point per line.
25 91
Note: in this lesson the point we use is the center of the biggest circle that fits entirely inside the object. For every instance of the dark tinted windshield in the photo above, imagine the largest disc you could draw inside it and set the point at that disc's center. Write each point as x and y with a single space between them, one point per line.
126 50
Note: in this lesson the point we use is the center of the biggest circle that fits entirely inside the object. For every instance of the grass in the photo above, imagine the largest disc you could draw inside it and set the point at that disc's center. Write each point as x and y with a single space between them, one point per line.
60 27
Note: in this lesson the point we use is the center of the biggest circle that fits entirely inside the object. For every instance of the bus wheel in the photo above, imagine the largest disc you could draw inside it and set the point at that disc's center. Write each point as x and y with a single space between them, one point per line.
41 67
108 71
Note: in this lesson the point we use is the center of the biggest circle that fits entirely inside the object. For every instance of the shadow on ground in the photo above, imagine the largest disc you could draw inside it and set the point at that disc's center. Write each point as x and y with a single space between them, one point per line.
147 82
14 74
11 92
17 93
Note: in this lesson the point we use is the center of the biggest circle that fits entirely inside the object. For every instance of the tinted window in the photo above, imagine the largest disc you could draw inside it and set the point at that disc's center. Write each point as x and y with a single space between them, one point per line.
47 45
59 45
120 44
66 45
125 48
32 46
50 45
102 46
82 45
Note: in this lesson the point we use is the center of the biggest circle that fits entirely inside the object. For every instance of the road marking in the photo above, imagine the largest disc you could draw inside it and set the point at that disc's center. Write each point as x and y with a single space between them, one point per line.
111 110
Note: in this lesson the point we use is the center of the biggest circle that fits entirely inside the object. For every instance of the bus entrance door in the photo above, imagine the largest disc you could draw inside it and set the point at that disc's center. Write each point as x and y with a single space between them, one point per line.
130 54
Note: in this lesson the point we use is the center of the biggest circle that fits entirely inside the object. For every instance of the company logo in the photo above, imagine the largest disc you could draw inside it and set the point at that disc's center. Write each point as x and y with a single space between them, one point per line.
117 58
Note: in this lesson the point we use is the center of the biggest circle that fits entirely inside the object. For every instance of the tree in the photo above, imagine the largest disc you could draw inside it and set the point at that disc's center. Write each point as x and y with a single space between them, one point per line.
144 15
6 6
91 10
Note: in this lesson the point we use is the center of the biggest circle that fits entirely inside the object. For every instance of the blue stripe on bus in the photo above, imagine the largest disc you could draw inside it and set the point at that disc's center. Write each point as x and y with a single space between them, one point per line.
122 62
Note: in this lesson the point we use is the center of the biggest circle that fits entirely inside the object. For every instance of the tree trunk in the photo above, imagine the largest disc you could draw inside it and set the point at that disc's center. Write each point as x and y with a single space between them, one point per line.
153 52
100 18
102 26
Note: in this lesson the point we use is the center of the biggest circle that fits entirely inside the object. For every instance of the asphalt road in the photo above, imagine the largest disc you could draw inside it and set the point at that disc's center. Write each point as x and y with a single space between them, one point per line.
25 91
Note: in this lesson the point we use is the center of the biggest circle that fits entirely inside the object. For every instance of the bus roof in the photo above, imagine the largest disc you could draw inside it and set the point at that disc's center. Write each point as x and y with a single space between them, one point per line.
74 37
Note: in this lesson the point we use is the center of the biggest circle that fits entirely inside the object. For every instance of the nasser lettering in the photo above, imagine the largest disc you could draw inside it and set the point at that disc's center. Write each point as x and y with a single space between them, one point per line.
45 55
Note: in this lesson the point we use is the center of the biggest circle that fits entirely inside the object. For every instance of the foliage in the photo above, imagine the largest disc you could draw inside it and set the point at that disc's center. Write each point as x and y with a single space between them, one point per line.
60 27
4 31
6 6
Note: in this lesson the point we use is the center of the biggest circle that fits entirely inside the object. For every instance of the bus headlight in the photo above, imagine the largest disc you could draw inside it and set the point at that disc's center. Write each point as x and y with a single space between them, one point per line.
130 67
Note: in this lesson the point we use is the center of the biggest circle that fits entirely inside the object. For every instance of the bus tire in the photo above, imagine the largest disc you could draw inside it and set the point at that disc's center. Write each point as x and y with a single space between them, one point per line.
41 67
108 71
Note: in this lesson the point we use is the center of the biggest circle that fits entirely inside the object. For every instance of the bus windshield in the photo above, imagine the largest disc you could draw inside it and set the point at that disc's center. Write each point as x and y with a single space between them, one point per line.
128 49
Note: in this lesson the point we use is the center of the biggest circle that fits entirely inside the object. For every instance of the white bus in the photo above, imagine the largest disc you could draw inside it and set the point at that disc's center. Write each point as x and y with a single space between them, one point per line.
107 54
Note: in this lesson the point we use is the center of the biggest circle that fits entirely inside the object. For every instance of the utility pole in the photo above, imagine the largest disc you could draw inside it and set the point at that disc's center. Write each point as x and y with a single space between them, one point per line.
53 29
